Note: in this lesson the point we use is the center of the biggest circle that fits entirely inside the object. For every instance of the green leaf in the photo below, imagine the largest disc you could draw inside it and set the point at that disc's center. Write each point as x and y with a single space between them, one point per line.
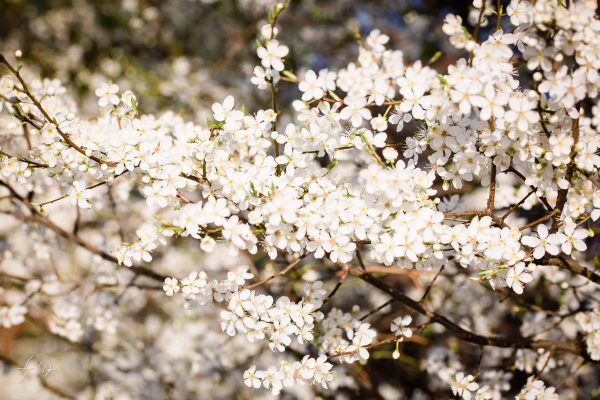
435 57
357 34
289 74
442 79
331 166
213 124
335 96
428 330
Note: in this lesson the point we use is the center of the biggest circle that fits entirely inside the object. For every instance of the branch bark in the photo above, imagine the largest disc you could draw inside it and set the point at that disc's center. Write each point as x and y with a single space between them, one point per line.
35 216
464 334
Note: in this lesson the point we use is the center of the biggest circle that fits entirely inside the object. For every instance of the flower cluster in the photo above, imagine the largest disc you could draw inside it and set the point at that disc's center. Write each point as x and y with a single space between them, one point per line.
536 389
445 366
400 327
347 183
258 317
316 370
196 287
344 335
13 315
589 324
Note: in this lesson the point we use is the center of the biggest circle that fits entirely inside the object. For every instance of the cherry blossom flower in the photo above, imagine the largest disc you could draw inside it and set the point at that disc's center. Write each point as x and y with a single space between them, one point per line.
311 86
171 286
491 103
400 328
355 111
464 94
542 243
107 94
521 112
79 195
463 385
573 238
252 378
517 276
225 111
271 55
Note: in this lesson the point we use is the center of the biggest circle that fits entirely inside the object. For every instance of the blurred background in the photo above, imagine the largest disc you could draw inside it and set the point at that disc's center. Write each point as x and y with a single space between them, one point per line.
183 55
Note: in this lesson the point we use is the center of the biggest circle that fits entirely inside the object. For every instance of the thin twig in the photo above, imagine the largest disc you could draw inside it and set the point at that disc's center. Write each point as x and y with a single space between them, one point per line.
464 334
278 274
39 106
428 288
36 216
514 207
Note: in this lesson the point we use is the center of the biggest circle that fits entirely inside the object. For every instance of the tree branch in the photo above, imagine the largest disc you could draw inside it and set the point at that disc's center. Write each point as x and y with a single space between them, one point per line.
466 335
280 273
36 216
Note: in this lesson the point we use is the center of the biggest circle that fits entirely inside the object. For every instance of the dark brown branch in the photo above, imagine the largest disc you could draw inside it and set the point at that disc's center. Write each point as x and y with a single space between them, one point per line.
280 273
428 288
466 335
26 160
540 220
338 285
39 106
377 309
492 195
572 266
522 177
514 207
561 198
36 216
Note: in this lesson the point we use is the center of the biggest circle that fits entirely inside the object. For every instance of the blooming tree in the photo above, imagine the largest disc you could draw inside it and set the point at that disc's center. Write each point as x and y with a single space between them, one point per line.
355 194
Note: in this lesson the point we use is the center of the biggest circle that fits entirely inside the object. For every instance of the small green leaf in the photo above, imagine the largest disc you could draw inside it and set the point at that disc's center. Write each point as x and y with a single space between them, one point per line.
335 96
357 34
289 74
435 57
334 162
428 330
